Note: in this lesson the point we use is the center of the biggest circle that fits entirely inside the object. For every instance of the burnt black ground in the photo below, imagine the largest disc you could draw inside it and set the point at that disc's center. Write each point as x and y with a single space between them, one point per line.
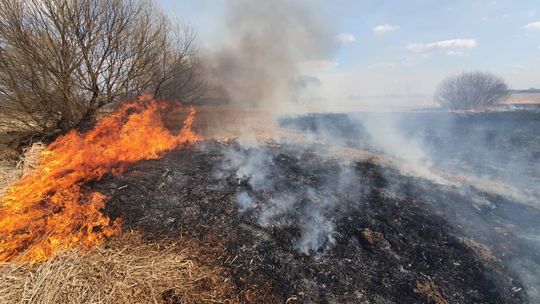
400 233
504 145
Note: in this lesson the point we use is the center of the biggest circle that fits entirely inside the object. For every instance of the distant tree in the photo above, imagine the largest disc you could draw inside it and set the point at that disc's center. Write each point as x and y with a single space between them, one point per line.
472 90
62 60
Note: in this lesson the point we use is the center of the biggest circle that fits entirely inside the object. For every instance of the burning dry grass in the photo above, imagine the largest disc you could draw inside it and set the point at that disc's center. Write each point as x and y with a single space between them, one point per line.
50 210
124 270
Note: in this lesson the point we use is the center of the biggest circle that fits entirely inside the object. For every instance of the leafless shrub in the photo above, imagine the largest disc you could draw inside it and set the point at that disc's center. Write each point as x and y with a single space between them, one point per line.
474 90
62 60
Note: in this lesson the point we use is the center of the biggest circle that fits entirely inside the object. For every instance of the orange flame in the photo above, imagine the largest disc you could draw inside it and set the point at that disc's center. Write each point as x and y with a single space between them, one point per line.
49 210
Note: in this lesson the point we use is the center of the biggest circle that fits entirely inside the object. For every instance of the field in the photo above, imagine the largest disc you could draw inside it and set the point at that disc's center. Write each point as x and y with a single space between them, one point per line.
286 151
344 217
435 208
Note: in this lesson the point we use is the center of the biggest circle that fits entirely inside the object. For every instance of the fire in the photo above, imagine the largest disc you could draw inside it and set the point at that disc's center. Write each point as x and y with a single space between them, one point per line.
50 209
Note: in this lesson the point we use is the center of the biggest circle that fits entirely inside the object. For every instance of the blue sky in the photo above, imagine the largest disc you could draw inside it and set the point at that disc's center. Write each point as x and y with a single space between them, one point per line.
401 49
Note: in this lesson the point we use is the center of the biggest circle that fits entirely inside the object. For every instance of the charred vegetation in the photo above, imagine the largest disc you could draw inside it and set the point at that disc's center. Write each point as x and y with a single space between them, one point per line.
389 245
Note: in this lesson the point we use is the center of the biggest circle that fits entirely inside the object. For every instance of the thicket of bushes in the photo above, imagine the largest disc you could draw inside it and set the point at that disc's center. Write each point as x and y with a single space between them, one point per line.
62 60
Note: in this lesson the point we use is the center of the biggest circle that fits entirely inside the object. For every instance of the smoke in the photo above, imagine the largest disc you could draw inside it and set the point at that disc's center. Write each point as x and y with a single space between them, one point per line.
280 191
387 135
261 65
492 152
490 160
266 43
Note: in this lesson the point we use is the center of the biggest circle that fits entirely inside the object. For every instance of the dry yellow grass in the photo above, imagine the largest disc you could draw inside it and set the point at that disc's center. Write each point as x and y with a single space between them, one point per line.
483 252
8 174
29 160
125 270
523 98
431 292
31 157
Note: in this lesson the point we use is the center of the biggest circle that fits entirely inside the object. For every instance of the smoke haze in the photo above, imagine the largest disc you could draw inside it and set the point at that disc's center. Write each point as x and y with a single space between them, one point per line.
266 42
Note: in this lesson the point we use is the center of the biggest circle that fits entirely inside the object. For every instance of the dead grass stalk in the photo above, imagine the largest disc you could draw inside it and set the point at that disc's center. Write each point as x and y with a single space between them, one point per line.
126 270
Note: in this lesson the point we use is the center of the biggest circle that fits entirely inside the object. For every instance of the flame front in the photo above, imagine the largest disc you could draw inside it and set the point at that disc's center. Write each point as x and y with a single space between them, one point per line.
50 210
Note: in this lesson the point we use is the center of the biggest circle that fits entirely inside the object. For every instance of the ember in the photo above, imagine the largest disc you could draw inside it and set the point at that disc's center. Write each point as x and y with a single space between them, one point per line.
50 210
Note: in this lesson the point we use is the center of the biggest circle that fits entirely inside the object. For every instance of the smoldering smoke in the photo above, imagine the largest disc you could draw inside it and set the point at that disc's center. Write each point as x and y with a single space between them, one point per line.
277 197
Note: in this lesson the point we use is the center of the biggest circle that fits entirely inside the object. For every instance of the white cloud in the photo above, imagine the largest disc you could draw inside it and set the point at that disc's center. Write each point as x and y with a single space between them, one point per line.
385 28
533 26
346 38
452 46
